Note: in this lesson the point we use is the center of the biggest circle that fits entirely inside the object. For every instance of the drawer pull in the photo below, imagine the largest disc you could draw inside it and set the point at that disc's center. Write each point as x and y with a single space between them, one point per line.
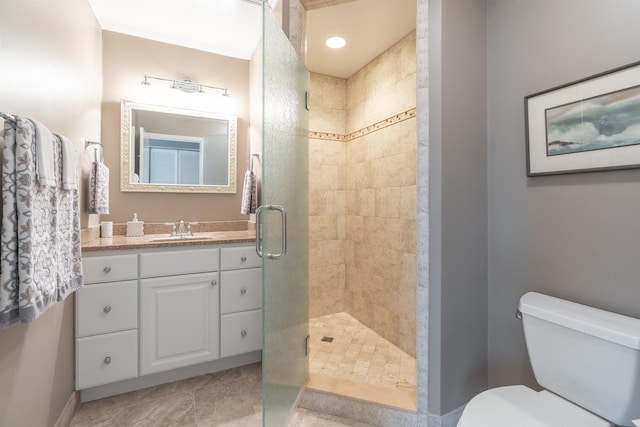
243 333
243 291
214 282
243 259
107 269
107 360
107 309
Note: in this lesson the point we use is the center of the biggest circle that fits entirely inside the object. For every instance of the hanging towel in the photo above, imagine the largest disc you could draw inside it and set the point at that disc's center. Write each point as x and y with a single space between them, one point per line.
69 275
40 246
249 196
99 189
9 282
45 171
69 168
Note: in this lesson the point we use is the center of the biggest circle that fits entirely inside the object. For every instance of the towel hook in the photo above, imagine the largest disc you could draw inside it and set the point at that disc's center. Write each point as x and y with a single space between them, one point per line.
100 149
256 155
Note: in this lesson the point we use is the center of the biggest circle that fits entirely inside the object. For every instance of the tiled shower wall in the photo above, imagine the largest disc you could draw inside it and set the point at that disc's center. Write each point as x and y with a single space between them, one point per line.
363 195
327 206
380 172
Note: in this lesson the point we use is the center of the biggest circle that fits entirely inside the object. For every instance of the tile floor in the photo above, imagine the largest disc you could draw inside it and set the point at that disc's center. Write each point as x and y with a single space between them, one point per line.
231 398
359 363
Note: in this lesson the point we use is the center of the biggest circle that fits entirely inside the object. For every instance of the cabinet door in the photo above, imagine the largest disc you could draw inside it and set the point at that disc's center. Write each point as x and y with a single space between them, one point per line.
179 321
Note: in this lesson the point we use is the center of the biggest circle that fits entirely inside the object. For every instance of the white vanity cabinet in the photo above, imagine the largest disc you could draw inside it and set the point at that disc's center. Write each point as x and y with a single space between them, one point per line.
240 301
179 313
150 316
107 321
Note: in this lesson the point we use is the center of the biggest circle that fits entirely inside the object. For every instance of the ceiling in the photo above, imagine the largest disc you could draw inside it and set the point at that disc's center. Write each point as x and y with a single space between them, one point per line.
369 26
234 27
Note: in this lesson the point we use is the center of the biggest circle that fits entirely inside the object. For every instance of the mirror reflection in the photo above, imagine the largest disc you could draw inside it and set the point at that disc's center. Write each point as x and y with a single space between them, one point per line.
177 150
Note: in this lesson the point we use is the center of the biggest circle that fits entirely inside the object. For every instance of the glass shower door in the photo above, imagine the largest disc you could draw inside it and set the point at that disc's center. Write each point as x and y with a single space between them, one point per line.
284 219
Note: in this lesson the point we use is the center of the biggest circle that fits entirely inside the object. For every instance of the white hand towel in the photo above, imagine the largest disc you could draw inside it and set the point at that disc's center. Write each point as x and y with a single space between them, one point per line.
249 196
99 189
45 171
69 168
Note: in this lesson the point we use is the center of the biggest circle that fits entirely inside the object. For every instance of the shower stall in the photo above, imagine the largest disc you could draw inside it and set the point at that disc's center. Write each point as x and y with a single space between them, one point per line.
362 230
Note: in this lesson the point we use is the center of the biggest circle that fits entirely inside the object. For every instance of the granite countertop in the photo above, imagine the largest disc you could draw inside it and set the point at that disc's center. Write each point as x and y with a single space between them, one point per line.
211 233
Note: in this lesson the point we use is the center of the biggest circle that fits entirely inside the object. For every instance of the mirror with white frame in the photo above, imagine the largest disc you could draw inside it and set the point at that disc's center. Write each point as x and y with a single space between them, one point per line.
175 150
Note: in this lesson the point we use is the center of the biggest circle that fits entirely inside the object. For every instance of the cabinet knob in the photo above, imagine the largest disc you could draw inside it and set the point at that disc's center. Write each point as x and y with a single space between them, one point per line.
214 282
243 258
107 360
107 269
243 291
107 309
243 333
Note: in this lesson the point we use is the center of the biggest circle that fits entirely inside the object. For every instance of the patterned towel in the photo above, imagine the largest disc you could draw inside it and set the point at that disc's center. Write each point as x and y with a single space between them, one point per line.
99 189
40 251
249 196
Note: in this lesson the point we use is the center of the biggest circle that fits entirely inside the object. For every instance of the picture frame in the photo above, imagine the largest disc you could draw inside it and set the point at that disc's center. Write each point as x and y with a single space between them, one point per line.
592 124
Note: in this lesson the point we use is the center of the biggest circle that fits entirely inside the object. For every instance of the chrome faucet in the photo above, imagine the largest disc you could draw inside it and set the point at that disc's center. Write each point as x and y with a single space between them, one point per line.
181 229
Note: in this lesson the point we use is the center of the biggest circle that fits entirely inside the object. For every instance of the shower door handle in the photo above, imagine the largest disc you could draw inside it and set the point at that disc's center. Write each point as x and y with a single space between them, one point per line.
283 215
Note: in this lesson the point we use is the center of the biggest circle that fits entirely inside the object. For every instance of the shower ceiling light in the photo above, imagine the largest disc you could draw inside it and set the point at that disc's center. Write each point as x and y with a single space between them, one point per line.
336 42
185 85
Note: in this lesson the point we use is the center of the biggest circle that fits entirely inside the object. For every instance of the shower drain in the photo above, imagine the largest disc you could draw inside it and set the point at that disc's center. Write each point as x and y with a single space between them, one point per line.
327 339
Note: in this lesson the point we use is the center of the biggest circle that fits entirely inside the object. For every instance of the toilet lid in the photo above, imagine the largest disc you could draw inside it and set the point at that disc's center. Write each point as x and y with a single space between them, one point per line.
523 407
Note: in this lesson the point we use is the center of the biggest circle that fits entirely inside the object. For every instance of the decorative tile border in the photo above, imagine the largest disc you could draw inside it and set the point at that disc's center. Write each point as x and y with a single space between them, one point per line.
328 136
406 115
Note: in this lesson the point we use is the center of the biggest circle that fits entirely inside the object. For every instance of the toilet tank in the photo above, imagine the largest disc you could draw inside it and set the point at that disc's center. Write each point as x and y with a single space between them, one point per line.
586 355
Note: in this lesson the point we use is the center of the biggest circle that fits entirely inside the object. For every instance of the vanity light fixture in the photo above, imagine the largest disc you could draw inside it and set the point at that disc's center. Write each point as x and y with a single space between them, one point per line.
336 42
184 85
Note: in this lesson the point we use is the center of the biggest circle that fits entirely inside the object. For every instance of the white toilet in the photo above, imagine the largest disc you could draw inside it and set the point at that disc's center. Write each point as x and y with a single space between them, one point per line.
587 359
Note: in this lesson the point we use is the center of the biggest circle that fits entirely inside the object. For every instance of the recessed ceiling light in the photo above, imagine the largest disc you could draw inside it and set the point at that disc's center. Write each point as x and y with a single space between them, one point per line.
336 42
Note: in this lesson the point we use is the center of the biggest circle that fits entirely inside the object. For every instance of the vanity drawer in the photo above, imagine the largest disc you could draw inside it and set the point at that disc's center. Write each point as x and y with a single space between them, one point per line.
240 290
107 358
110 268
170 263
240 333
241 257
107 307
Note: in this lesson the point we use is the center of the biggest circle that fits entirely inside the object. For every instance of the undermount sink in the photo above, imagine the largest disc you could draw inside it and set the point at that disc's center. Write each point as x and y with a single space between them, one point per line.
182 238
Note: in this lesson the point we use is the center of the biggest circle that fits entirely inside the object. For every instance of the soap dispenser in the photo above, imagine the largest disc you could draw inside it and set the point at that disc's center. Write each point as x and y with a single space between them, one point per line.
135 228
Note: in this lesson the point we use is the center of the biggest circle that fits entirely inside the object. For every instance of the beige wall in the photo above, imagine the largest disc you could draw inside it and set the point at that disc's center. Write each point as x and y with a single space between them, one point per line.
362 196
125 60
381 197
51 55
328 103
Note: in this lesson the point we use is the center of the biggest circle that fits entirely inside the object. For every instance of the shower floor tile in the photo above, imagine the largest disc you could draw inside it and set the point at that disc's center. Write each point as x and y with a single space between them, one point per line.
359 363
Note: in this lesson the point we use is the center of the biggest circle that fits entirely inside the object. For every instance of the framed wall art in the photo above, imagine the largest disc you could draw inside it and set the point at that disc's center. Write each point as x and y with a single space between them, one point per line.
589 125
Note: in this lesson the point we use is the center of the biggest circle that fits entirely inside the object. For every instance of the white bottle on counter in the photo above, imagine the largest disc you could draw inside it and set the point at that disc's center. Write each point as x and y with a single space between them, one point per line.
135 228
